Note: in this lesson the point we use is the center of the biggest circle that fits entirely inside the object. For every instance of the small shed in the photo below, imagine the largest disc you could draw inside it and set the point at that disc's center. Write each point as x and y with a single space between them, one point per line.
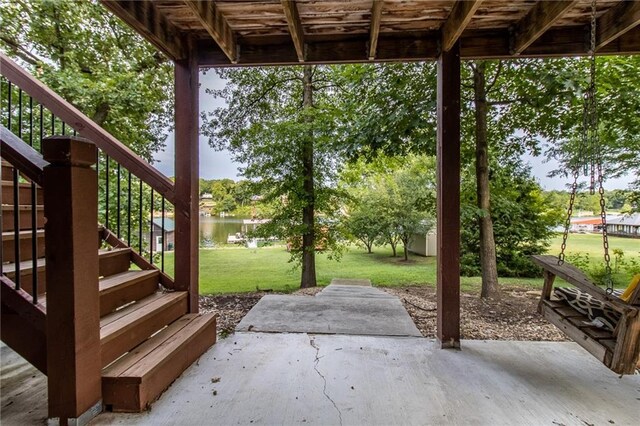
163 234
424 244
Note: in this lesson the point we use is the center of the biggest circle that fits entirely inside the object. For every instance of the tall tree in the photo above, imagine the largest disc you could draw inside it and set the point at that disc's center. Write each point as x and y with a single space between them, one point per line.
281 123
507 109
89 57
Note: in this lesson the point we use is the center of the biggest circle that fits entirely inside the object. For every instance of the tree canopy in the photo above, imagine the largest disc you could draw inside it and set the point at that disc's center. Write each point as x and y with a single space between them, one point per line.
93 60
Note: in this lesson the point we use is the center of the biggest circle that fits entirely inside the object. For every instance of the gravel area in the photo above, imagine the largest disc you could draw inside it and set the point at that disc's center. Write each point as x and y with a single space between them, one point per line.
512 317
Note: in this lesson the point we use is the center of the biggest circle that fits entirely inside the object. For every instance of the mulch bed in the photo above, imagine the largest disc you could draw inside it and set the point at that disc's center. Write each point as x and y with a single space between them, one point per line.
512 317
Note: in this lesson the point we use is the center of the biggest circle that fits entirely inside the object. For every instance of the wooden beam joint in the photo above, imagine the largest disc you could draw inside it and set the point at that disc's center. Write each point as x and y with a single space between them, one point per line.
295 27
217 26
460 16
144 18
617 21
540 18
376 16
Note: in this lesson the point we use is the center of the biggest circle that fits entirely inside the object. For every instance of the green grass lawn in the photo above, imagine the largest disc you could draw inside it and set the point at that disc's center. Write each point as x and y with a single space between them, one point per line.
592 244
231 270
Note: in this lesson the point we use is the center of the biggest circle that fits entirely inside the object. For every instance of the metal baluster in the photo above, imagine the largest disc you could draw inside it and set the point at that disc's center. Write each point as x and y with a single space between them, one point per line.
16 227
53 124
20 113
9 108
129 211
163 237
16 204
118 194
64 127
106 189
140 220
30 121
34 218
41 127
151 232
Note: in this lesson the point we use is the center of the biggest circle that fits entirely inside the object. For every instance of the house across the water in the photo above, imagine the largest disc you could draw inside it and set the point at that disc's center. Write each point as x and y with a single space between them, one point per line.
625 226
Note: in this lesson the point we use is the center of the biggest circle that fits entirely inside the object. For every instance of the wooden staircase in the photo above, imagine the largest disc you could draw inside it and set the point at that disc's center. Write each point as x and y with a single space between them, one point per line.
147 336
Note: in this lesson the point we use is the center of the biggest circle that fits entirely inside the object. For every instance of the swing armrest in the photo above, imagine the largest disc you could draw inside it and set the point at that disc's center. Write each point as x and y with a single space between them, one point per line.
576 277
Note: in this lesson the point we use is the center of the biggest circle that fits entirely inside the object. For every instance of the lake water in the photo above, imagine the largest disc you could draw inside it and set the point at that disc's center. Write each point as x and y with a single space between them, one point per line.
215 230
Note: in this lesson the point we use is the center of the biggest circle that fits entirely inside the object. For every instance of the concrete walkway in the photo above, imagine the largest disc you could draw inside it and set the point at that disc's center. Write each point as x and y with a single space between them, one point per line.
346 308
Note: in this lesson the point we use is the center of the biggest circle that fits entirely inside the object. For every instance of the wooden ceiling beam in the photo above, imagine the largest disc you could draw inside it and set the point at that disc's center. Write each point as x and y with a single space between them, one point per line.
617 21
374 31
474 44
216 25
458 19
540 18
295 27
144 18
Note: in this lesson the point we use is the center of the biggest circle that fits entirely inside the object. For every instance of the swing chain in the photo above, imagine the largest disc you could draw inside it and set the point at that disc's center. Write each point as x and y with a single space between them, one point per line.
596 148
590 157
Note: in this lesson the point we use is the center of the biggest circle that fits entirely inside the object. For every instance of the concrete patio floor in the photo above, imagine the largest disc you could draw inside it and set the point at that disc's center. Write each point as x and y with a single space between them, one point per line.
282 378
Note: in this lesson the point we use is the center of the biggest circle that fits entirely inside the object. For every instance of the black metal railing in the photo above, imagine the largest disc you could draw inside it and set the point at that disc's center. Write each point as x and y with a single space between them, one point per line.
128 206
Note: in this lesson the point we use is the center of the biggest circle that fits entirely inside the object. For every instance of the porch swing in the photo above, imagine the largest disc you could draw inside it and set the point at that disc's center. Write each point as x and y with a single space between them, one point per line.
605 322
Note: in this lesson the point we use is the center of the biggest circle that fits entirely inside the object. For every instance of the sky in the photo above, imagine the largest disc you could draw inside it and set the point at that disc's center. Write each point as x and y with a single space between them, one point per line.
219 164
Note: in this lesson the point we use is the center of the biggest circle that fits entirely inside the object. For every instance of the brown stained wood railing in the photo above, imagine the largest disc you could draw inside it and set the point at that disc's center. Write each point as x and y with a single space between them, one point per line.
22 156
87 128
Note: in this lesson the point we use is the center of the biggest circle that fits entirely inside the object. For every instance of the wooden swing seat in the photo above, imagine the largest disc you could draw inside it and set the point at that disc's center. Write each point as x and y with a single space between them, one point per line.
618 350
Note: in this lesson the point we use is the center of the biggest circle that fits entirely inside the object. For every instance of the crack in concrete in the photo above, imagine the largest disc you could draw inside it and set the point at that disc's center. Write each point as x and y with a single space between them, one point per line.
312 342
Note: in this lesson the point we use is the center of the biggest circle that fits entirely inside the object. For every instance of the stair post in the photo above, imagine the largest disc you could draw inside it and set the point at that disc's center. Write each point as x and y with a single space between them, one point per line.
73 302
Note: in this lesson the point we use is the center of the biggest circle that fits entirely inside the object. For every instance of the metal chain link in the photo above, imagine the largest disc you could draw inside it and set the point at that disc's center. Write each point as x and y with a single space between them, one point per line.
590 157
567 223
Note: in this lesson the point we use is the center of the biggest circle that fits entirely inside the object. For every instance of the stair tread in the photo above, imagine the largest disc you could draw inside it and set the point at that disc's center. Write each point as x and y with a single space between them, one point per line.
148 364
112 282
6 182
25 265
122 365
119 320
26 207
113 251
10 235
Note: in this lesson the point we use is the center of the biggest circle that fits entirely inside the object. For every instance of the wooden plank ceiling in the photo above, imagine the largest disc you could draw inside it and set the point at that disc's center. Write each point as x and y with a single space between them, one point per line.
252 32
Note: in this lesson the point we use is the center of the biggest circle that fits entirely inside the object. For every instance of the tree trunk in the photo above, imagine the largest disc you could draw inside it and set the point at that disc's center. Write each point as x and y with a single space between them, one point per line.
308 244
406 252
490 286
393 247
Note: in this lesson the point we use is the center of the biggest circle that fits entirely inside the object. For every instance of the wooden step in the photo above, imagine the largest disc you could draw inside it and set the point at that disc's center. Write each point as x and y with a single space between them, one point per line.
124 329
137 379
8 249
24 193
125 287
26 274
24 216
111 262
114 261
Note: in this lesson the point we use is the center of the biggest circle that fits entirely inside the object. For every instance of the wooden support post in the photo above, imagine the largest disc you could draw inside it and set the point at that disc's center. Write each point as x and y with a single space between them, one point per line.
186 169
448 210
73 301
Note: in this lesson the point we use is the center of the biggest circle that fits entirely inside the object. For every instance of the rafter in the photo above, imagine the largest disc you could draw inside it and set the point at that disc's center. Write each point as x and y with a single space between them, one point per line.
540 18
216 25
376 15
458 19
143 17
617 21
295 27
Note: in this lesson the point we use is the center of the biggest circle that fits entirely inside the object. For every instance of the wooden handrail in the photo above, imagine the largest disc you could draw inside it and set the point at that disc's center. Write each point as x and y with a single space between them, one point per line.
24 158
87 128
